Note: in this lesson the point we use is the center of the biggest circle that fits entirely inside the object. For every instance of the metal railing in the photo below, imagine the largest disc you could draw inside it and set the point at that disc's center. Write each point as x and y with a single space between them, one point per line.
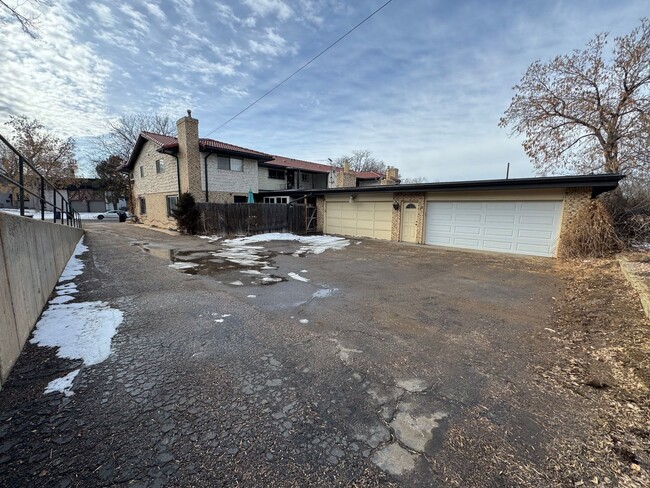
61 209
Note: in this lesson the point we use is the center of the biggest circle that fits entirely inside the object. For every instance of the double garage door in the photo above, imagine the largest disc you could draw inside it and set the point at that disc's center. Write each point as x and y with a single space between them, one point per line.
520 227
359 219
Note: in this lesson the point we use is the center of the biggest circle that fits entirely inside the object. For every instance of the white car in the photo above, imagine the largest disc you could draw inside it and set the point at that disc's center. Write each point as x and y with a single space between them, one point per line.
119 215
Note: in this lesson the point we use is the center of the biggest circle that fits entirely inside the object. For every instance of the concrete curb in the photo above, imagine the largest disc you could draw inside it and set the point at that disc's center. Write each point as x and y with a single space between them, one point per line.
637 283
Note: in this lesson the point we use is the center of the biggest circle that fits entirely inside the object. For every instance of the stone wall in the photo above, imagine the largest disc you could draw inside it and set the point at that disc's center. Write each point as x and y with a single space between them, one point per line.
221 180
156 210
345 180
575 199
402 199
320 214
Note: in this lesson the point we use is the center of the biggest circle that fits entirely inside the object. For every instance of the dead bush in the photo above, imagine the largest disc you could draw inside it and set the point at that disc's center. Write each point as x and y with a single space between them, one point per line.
590 234
629 207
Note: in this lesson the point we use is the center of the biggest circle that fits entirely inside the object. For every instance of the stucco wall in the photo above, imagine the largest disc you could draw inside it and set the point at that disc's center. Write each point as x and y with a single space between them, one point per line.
220 180
33 254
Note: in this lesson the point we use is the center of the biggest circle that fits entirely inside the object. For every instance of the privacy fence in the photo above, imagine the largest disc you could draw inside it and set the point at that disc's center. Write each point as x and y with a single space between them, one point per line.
257 218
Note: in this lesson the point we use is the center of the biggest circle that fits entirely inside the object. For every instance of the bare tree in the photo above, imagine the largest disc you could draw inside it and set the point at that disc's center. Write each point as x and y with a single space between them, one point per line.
122 134
414 180
586 112
54 158
362 160
25 12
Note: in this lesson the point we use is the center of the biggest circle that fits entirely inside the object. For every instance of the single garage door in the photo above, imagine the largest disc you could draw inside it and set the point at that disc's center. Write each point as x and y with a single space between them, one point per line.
360 219
520 227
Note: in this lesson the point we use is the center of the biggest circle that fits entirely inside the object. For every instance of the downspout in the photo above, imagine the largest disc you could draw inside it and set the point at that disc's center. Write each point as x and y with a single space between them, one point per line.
206 176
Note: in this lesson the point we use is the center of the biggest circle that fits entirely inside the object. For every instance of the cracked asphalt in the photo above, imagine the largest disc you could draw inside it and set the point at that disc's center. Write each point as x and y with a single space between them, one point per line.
393 365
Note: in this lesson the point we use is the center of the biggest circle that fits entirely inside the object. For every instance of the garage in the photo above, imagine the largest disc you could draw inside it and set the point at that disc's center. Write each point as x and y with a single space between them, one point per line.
520 227
359 218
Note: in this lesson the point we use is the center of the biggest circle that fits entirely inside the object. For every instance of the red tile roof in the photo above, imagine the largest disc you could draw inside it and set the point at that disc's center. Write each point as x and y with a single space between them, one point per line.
168 142
283 162
368 175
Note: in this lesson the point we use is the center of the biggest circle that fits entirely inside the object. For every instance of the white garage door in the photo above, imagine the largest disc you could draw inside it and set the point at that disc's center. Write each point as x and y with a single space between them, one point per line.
520 227
361 219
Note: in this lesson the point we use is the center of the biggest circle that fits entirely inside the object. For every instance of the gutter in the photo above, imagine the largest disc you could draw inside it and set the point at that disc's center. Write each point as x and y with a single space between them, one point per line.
598 183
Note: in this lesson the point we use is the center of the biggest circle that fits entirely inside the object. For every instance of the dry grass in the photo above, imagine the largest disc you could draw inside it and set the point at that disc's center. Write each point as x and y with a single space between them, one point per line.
592 234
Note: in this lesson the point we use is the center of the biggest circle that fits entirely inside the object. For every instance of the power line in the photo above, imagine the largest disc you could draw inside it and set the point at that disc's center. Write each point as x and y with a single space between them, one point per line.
301 68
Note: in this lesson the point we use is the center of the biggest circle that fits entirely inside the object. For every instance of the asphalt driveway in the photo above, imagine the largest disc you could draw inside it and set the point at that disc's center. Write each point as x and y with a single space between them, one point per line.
376 363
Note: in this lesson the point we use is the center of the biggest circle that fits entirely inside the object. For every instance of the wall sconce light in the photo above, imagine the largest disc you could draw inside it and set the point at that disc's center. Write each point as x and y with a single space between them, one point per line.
352 198
396 205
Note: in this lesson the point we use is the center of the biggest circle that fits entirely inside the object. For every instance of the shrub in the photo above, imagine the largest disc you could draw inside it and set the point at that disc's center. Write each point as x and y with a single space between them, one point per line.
630 210
591 234
187 214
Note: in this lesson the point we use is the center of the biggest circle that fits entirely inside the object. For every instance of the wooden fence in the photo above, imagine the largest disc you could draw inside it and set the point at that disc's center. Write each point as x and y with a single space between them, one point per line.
256 218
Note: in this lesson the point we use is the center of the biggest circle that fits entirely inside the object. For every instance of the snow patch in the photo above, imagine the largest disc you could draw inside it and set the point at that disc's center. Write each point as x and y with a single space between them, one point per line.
183 265
237 283
311 244
251 296
75 266
80 330
304 321
62 385
324 293
251 272
296 276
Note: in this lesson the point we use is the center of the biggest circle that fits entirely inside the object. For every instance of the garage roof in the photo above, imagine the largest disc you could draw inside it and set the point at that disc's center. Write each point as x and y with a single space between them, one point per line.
600 183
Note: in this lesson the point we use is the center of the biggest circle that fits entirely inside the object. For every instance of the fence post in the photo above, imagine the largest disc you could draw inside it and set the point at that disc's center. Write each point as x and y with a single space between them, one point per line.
42 198
54 204
21 188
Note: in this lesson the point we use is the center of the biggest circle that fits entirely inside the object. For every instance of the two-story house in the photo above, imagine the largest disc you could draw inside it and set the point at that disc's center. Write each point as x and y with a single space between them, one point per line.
162 167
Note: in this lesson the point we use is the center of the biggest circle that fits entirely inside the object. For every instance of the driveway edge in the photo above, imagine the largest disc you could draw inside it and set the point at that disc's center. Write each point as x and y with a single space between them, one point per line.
637 283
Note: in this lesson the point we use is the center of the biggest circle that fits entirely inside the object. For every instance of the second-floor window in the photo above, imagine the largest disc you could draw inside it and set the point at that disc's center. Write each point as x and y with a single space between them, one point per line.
231 164
276 174
160 166
304 177
141 171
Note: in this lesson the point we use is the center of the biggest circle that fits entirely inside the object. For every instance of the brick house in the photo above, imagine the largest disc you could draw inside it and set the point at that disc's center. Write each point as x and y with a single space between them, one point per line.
161 167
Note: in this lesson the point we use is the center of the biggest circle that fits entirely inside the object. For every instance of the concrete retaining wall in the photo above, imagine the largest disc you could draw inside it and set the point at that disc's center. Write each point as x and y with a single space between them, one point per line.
32 256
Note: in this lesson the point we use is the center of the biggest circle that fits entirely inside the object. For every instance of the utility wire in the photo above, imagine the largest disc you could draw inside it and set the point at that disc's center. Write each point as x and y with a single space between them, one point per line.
301 68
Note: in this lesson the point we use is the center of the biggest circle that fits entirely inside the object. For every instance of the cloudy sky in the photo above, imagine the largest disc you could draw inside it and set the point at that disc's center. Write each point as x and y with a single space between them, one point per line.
422 84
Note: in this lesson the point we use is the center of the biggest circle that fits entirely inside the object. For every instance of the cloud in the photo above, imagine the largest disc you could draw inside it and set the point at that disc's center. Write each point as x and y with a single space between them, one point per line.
233 91
272 44
155 10
263 8
137 19
58 79
103 13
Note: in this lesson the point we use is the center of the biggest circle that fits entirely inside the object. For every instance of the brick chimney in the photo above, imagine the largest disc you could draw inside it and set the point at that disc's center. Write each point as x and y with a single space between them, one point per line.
345 178
391 177
189 157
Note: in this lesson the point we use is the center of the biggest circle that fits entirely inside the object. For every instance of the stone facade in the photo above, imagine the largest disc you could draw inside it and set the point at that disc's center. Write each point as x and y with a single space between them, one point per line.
345 180
402 199
320 214
153 186
226 181
156 214
575 199
189 156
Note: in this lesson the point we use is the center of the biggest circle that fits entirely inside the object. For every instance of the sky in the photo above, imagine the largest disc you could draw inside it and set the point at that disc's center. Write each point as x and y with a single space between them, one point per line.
422 84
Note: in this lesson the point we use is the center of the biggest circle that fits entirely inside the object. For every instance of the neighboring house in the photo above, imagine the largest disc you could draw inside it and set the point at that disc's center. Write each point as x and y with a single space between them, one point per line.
283 173
162 167
519 216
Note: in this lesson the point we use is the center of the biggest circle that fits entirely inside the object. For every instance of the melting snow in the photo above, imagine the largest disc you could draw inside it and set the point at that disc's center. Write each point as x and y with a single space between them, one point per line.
324 293
311 244
304 321
296 276
251 272
237 283
82 330
63 385
251 296
183 265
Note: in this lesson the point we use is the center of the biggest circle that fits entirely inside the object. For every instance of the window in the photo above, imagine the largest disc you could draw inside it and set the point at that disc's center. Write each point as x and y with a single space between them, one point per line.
143 204
276 174
240 199
275 199
141 171
171 204
160 166
230 164
304 177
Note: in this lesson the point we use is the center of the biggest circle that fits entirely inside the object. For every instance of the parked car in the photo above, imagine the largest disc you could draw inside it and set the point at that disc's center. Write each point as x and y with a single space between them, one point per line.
119 215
